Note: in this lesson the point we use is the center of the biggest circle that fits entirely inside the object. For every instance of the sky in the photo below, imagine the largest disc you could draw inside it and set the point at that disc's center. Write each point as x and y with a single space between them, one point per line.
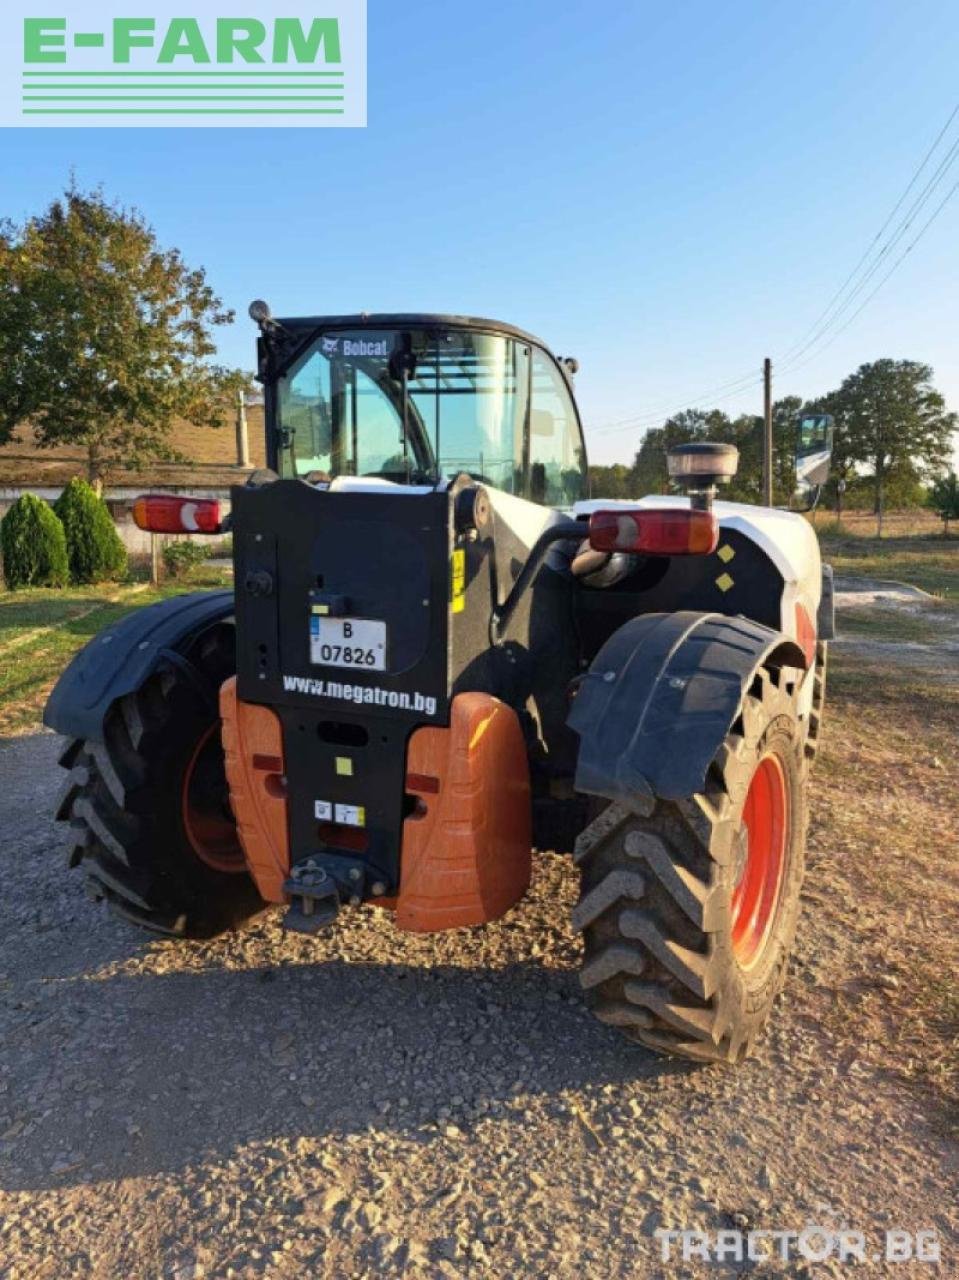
669 192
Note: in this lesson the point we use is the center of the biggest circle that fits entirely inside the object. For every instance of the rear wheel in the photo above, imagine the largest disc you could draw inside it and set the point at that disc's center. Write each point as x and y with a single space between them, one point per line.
149 806
689 911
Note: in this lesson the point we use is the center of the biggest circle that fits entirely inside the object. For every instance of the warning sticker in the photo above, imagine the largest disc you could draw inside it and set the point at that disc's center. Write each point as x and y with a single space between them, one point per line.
458 580
350 815
347 815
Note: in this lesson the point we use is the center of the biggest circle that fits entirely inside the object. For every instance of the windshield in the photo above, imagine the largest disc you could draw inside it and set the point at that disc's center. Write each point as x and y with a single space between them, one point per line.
416 406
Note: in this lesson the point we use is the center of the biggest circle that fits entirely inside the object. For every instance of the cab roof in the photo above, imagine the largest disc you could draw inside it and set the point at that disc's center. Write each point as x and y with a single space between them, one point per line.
408 320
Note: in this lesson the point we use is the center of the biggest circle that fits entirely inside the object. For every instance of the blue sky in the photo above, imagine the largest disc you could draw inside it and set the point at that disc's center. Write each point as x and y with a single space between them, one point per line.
669 192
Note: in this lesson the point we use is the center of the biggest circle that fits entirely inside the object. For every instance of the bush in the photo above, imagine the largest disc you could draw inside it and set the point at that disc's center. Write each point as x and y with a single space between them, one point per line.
944 499
181 558
33 545
94 549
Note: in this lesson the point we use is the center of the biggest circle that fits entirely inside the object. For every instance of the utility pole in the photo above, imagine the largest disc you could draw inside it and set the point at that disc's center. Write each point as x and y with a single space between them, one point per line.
767 432
242 437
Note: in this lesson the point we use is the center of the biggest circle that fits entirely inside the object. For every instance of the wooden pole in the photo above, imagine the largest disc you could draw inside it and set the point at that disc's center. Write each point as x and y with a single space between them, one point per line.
767 432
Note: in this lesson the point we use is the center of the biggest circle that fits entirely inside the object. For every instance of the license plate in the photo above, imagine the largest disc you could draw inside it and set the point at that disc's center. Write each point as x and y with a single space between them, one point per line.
348 642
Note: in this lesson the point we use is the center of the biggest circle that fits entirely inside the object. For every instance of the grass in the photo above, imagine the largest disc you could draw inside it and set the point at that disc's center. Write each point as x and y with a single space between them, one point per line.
885 873
41 629
924 558
898 624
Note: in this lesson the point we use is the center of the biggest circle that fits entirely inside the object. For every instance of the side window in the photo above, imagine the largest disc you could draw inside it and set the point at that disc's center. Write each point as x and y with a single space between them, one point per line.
556 471
378 437
306 409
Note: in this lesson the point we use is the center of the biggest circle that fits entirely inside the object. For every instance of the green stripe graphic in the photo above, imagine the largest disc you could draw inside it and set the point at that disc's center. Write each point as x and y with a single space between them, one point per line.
265 74
182 111
179 97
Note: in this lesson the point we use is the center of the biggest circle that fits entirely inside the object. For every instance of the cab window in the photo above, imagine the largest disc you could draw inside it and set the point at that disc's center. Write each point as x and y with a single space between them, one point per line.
556 474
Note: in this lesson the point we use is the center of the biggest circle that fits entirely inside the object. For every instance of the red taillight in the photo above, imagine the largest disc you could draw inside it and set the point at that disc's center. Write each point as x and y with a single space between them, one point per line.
666 531
159 513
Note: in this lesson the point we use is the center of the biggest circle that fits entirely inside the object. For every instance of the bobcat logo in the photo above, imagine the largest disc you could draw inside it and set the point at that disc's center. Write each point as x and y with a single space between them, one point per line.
330 346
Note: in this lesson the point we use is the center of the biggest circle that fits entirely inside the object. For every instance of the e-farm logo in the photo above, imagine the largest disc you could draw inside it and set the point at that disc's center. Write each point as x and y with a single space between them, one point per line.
107 63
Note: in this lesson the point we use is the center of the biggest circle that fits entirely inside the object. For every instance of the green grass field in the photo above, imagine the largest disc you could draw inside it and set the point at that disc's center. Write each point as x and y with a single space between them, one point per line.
930 562
41 629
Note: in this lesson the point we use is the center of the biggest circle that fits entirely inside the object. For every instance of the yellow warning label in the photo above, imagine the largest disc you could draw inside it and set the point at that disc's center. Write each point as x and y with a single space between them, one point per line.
458 580
725 553
724 582
344 767
321 608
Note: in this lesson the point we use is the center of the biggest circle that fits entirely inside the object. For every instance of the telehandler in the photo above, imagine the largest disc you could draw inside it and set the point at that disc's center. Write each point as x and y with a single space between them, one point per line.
439 654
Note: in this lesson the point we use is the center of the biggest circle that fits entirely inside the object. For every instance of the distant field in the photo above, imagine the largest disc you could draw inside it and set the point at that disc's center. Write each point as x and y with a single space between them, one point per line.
931 563
914 522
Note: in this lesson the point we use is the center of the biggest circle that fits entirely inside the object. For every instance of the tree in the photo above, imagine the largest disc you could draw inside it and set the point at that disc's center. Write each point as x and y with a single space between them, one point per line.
944 499
33 545
649 465
94 549
105 338
891 415
615 481
745 432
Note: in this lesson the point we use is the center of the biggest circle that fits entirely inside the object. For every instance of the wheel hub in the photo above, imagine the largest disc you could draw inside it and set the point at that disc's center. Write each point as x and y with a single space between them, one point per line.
207 818
760 862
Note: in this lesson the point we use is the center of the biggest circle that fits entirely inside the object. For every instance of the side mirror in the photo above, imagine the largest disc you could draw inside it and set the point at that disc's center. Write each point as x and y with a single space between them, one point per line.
813 454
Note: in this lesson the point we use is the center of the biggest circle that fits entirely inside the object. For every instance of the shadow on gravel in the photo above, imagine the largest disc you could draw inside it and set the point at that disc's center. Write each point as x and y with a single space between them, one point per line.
133 1075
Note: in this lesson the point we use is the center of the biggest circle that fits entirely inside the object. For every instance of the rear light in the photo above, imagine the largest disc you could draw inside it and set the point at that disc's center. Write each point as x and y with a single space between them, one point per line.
664 532
159 513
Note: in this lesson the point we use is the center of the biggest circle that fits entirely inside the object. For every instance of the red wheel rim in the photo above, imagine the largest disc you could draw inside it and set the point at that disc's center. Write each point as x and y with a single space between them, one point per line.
758 887
207 820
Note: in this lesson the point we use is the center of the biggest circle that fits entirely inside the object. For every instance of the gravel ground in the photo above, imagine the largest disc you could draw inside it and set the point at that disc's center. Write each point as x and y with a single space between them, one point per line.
374 1103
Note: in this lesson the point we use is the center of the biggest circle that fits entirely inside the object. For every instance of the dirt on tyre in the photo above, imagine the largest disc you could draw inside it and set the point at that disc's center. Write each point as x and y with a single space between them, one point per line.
688 911
149 806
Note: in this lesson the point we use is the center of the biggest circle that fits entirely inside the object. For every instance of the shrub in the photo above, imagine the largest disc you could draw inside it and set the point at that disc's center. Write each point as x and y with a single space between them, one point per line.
33 545
94 549
944 499
181 558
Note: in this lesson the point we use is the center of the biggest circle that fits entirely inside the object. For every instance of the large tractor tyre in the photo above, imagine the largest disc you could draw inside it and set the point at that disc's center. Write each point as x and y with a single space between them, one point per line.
689 912
149 806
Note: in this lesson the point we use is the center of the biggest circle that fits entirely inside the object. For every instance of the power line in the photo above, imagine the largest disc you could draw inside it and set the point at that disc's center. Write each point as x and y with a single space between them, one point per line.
909 248
647 420
928 191
869 248
841 300
670 405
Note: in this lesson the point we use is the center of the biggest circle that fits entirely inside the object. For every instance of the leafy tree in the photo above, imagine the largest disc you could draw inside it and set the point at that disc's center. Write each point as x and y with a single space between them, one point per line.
649 465
94 549
33 545
944 499
105 337
612 482
745 432
891 415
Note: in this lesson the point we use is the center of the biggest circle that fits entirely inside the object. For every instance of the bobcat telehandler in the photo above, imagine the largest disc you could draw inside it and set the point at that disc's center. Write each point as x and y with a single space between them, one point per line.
439 654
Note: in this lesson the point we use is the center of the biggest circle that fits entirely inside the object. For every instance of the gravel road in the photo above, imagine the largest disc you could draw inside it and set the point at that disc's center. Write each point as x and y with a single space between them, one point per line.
373 1103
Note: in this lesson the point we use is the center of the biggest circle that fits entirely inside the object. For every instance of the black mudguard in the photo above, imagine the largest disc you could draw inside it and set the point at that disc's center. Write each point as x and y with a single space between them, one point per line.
660 697
121 658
